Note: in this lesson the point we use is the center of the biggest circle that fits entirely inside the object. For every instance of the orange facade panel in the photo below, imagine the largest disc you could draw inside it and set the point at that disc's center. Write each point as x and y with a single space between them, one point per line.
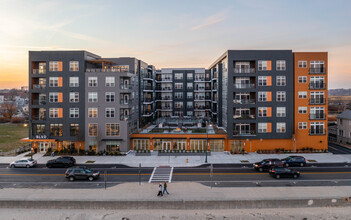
269 65
269 96
60 66
269 127
60 112
269 80
269 111
60 82
60 97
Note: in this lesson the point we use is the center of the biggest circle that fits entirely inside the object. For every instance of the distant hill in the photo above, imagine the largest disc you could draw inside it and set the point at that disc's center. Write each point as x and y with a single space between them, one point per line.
339 92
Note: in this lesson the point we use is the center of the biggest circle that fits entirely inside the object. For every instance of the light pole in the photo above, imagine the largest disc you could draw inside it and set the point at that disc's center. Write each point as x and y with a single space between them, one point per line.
208 125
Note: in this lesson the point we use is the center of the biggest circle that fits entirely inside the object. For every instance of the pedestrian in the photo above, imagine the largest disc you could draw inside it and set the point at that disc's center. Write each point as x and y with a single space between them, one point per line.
160 190
165 188
53 154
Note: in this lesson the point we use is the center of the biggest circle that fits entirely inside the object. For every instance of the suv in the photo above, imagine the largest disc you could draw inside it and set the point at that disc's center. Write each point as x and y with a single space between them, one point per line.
294 161
81 173
61 162
267 164
278 172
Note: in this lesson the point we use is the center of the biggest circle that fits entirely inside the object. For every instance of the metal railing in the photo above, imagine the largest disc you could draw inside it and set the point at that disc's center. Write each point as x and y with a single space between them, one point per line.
125 86
317 116
125 102
98 70
39 71
244 116
316 101
244 86
320 70
148 88
39 86
317 85
244 133
244 101
244 70
317 131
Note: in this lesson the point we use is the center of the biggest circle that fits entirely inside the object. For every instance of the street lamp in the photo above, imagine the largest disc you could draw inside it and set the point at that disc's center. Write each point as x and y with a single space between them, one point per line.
208 125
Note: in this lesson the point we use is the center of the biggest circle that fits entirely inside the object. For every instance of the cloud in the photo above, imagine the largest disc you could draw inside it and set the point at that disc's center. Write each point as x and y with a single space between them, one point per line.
214 19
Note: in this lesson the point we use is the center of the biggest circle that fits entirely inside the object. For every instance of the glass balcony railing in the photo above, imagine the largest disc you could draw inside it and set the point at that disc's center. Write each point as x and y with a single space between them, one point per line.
244 101
319 70
317 131
244 70
319 85
318 116
244 86
316 101
244 132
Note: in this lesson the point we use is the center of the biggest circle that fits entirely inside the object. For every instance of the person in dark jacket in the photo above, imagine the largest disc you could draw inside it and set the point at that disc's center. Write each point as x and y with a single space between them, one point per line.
160 190
165 188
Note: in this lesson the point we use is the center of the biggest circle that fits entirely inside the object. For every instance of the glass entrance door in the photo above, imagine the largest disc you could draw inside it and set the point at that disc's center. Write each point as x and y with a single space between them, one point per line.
43 147
166 145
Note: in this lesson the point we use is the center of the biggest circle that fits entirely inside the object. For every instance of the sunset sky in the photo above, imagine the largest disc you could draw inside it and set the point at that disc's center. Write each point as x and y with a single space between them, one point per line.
180 33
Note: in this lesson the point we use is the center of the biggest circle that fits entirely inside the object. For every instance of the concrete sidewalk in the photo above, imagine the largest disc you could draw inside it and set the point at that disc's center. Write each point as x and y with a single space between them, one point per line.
183 195
189 161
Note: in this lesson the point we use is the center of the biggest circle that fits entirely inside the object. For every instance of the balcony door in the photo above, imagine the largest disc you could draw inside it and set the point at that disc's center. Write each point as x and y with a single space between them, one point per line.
317 127
242 128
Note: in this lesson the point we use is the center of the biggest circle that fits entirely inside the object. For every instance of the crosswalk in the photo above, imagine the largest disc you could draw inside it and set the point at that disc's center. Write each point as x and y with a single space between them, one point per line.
161 174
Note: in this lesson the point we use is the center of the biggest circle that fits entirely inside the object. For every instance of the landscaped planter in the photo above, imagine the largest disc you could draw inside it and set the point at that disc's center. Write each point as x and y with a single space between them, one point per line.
142 154
183 153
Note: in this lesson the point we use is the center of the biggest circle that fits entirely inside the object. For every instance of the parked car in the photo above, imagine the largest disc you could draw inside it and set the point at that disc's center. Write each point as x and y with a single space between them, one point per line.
267 164
61 162
81 173
23 163
278 172
294 161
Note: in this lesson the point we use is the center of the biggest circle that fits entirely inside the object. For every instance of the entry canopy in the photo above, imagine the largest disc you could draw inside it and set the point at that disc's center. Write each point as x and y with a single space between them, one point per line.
37 140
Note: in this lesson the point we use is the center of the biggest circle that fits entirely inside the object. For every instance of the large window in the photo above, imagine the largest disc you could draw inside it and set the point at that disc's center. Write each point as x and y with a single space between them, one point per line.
110 96
53 81
281 65
281 81
93 129
178 76
110 112
56 129
281 111
178 85
39 129
262 112
302 64
55 66
303 95
74 129
92 81
112 129
53 113
262 128
281 96
53 97
302 79
262 80
317 128
74 66
110 81
189 76
74 112
73 81
92 112
92 97
262 96
302 110
281 127
73 97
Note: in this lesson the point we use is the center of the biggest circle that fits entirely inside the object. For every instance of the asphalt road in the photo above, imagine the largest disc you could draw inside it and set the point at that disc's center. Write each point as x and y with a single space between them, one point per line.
236 176
338 149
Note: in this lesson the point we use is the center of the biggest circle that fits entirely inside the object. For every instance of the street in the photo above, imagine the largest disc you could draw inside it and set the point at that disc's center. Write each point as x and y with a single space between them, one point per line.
338 149
223 176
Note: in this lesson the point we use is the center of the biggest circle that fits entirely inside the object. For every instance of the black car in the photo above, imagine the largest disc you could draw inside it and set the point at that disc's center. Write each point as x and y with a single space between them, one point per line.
81 173
267 164
61 162
294 161
278 172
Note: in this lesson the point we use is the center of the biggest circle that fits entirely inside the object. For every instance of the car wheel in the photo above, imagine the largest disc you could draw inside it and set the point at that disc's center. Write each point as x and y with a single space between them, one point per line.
295 176
71 178
91 178
27 166
12 166
277 176
260 169
302 164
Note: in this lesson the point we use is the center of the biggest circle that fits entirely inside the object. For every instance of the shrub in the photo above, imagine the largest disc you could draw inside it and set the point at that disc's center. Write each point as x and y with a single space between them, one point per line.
17 120
4 120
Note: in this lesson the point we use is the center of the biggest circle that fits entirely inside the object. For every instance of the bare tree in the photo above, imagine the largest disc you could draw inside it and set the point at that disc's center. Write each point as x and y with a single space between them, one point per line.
8 110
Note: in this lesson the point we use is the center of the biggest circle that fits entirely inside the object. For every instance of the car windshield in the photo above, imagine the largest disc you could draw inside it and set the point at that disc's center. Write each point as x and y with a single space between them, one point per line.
30 160
88 171
264 161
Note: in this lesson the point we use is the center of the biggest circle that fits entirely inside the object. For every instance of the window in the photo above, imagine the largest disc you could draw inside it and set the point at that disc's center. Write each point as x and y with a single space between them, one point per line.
74 66
74 129
281 65
303 95
189 104
74 112
189 95
281 96
262 112
53 81
262 80
302 110
110 112
189 76
178 95
56 129
112 129
40 129
74 97
109 96
302 64
281 111
178 104
92 112
110 81
93 130
262 96
189 113
281 81
189 85
281 127
55 66
53 113
92 81
53 97
92 96
264 65
73 81
317 64
302 125
178 85
262 128
178 76
317 128
302 79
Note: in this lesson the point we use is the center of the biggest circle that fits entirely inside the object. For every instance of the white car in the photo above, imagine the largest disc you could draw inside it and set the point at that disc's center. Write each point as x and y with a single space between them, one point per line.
24 163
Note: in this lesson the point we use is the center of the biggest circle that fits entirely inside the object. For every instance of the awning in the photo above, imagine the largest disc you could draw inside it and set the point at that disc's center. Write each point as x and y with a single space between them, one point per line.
37 140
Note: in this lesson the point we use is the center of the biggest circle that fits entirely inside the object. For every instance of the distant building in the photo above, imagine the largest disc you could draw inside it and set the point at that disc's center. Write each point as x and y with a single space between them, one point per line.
2 99
344 127
24 88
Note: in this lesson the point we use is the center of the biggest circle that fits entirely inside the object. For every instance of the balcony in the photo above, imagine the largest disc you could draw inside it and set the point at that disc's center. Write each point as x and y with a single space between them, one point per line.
317 101
125 102
148 100
320 70
244 70
202 108
147 113
38 71
244 101
124 117
148 77
244 133
38 117
166 108
39 86
125 86
99 70
245 116
317 131
319 85
199 98
319 116
164 79
38 102
166 98
244 86
147 88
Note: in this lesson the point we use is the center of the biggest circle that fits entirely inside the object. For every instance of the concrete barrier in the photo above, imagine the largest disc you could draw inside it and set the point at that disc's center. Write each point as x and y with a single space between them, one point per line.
163 204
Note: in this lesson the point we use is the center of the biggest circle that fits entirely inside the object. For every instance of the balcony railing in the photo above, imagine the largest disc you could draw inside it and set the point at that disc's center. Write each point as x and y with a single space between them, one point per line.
125 102
244 116
199 79
124 117
168 98
202 108
320 70
244 86
148 77
244 70
98 70
199 98
39 86
39 71
125 86
317 131
36 117
147 113
320 85
38 102
244 133
319 116
147 87
316 101
244 101
148 100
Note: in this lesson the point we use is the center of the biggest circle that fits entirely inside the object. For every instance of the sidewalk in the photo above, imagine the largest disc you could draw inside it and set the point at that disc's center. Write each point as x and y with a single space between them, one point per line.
188 161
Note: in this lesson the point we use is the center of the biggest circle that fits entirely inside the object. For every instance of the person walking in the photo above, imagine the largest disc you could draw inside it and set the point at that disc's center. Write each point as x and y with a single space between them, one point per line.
160 190
165 188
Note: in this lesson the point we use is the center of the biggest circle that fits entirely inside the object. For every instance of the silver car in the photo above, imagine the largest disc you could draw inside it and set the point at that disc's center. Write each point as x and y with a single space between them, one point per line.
24 163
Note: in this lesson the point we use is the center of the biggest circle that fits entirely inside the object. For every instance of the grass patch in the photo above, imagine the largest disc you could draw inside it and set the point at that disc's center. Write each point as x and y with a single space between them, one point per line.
244 161
10 136
312 161
90 161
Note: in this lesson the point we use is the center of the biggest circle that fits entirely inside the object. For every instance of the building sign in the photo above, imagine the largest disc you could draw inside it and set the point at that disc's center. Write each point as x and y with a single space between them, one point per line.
41 136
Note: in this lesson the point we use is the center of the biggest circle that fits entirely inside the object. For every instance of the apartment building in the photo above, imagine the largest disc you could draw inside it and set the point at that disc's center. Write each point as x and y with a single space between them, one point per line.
246 100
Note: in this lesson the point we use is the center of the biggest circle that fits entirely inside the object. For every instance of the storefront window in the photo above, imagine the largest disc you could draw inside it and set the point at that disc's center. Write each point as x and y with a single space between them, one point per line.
112 146
217 145
141 144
